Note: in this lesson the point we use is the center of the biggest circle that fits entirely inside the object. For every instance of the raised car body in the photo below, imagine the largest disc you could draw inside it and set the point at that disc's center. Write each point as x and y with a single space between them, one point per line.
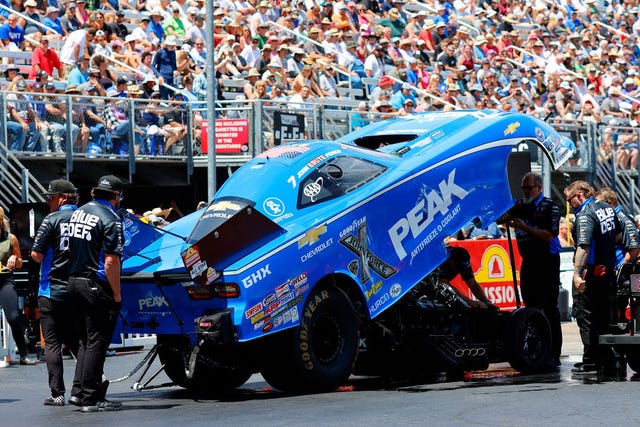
314 214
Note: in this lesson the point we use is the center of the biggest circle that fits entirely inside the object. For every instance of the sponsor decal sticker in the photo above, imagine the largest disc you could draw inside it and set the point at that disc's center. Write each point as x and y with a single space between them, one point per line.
430 204
273 206
253 311
191 256
256 276
512 128
368 260
395 290
152 301
312 189
312 236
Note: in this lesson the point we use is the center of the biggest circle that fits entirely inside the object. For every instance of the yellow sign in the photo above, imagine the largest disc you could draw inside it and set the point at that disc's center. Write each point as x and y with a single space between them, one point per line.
494 266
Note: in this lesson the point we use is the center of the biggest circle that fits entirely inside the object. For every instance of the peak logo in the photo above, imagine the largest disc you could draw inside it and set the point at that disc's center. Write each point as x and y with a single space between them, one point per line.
422 214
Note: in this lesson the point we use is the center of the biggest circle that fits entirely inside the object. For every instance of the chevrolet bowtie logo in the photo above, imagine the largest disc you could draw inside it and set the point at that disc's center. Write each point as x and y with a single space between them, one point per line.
225 205
312 236
511 128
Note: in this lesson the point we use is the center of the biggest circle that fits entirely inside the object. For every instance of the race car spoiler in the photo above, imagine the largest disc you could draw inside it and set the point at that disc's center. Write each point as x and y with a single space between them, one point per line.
228 229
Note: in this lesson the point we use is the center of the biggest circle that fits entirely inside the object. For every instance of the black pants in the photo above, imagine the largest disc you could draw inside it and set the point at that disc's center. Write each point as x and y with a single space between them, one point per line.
592 311
540 286
57 329
9 303
96 319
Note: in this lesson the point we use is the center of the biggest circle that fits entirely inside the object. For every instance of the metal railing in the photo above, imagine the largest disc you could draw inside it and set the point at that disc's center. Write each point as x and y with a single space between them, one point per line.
143 122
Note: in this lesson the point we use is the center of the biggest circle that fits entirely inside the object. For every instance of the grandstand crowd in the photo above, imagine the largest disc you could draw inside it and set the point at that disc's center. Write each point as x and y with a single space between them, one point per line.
566 60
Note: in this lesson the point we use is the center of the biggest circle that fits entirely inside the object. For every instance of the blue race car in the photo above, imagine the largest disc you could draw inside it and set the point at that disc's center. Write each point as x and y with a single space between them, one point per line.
314 259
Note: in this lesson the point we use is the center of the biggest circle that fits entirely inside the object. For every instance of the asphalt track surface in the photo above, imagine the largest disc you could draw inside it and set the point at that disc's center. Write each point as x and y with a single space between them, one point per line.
497 397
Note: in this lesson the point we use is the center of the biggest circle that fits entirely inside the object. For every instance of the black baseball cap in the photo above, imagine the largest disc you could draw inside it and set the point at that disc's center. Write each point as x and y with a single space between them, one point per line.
60 186
110 183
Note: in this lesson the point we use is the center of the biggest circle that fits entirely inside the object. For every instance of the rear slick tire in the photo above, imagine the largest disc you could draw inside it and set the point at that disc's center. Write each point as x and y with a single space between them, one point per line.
528 340
319 353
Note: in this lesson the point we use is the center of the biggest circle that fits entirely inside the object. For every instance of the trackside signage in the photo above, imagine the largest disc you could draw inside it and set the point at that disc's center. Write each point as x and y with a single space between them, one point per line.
232 136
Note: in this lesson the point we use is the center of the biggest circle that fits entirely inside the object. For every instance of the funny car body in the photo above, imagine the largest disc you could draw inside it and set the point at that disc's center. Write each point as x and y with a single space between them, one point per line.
314 259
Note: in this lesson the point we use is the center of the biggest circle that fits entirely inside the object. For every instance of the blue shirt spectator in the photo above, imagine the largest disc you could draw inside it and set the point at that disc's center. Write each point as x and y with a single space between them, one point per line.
52 20
11 32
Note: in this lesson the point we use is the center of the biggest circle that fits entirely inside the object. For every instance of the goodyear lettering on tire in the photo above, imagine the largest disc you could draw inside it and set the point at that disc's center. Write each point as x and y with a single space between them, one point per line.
310 309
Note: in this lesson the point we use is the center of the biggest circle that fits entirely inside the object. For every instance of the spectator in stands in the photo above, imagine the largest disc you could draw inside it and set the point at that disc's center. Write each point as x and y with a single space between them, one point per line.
610 108
45 59
259 91
74 49
328 83
588 112
394 22
56 115
20 110
164 65
80 74
627 146
398 98
12 34
306 78
68 21
174 26
52 21
31 29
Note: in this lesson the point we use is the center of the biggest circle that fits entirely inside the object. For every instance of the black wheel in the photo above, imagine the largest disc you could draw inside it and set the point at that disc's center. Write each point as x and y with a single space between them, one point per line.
633 358
528 340
319 353
174 353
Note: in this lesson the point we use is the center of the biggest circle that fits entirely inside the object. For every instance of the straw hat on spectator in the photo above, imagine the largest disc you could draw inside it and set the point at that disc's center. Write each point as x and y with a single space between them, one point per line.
72 89
511 18
452 87
480 40
253 73
405 42
394 12
30 3
429 24
170 41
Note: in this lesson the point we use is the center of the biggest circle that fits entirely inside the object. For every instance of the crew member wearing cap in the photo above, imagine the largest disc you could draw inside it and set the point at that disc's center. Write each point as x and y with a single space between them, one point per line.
95 243
51 250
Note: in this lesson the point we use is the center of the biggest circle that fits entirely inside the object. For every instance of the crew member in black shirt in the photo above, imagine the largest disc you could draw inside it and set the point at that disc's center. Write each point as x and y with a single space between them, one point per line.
96 242
51 249
597 230
459 262
536 219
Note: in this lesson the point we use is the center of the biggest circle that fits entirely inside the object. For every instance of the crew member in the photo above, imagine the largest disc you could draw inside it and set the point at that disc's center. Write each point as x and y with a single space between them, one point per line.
459 262
536 218
627 249
96 241
51 249
597 229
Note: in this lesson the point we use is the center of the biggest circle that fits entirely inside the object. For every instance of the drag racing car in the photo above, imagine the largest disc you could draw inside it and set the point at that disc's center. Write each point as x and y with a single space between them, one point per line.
314 260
